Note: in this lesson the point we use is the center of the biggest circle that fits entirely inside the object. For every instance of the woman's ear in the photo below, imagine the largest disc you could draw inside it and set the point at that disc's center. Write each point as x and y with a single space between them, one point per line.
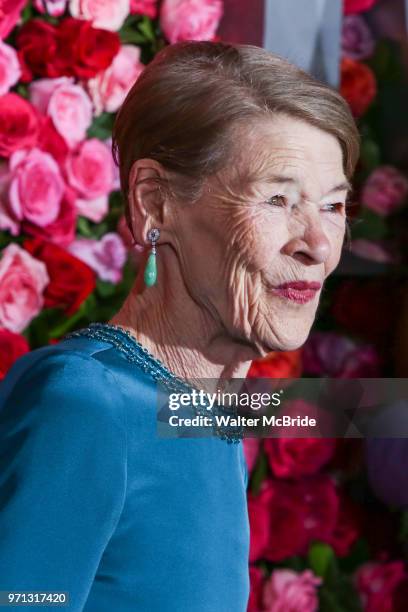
146 197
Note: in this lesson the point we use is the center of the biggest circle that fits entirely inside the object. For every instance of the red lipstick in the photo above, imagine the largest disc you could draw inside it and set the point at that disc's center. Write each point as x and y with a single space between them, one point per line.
298 291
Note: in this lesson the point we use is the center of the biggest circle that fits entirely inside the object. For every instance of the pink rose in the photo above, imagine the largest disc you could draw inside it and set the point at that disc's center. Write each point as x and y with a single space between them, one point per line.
55 8
10 71
62 230
372 250
68 105
7 218
385 190
356 39
190 19
330 354
95 210
109 88
22 282
106 256
144 7
9 15
105 14
251 451
288 591
89 169
376 583
36 187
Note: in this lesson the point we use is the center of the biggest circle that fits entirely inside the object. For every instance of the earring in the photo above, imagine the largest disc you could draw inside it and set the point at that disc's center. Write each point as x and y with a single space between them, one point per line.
150 273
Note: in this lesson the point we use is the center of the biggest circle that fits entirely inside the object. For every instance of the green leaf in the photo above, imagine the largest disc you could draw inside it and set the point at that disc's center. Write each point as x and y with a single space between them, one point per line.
369 225
370 154
403 534
259 473
84 227
146 27
102 126
105 288
129 37
320 557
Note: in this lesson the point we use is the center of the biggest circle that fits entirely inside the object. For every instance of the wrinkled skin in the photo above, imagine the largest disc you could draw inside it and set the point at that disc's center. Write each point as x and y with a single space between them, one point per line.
213 309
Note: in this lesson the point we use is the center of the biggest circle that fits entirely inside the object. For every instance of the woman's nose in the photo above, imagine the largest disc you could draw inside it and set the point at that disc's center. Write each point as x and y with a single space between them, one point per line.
310 245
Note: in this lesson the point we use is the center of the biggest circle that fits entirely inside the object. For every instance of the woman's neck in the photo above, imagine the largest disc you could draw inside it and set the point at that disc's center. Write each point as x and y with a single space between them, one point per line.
181 333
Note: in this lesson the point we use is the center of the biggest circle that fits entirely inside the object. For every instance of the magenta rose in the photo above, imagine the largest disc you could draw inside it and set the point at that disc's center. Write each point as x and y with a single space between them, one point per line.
144 7
22 282
19 124
55 8
68 105
260 520
374 250
251 451
376 583
357 41
36 187
106 256
330 354
256 579
288 591
10 71
89 169
357 6
298 457
385 190
105 14
109 88
10 11
190 19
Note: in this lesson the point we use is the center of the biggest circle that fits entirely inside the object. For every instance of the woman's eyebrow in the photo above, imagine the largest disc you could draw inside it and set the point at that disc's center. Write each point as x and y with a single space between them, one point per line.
281 179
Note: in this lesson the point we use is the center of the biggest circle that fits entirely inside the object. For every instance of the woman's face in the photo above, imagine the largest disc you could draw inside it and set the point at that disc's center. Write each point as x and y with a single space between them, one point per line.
257 260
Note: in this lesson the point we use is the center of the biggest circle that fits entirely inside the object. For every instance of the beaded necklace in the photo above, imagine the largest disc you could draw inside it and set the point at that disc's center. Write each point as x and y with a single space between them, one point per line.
135 353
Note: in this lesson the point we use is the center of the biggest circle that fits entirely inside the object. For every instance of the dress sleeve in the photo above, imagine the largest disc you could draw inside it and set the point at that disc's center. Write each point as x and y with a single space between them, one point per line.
62 474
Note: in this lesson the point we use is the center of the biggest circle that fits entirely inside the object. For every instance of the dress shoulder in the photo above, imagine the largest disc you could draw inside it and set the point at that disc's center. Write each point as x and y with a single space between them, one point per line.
63 451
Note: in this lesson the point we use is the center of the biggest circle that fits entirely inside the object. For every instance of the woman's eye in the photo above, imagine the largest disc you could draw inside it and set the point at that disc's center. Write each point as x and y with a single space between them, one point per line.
334 207
276 200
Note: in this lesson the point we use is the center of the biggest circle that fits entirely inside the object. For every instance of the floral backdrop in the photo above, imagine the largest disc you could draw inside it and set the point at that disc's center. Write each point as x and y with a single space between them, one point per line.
320 538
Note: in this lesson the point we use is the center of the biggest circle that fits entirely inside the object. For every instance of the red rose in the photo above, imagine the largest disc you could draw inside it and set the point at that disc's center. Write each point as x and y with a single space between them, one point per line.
285 364
260 522
347 528
12 346
358 85
51 141
256 579
62 230
71 280
285 517
349 308
37 49
18 124
84 50
298 457
400 596
357 6
73 48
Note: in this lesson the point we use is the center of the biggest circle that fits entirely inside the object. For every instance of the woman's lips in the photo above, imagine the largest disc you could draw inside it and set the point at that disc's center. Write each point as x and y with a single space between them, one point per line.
298 291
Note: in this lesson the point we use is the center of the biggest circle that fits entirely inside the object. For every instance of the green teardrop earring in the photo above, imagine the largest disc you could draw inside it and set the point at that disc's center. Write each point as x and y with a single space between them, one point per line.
150 273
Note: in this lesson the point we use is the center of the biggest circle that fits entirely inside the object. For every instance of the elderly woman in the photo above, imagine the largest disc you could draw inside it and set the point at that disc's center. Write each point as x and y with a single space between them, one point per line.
235 166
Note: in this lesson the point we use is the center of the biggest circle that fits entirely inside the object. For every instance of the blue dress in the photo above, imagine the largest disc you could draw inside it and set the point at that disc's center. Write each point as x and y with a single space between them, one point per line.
93 502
